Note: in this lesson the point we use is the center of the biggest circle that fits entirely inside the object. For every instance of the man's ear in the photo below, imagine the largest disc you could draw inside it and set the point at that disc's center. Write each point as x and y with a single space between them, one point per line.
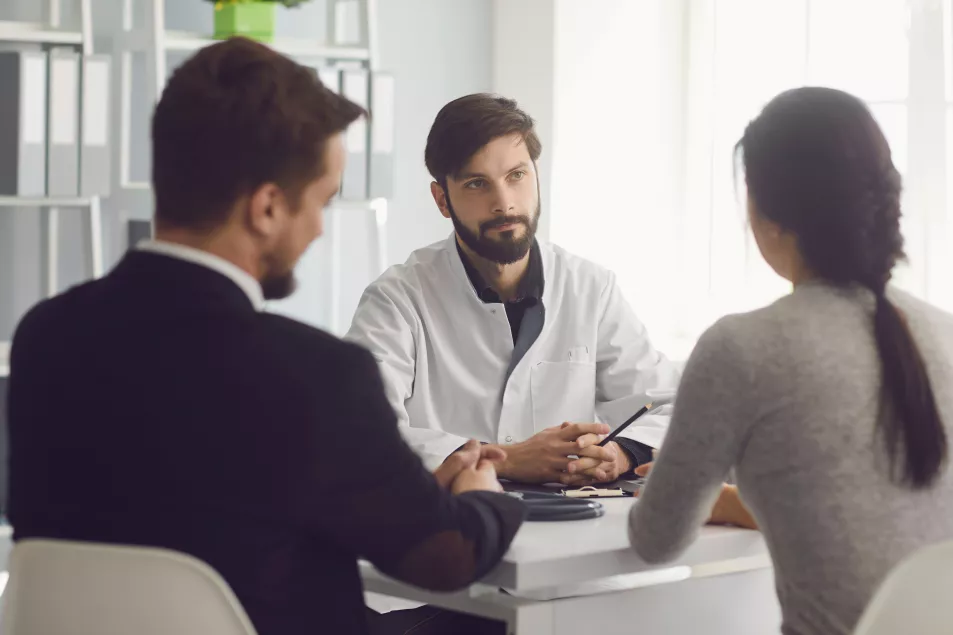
263 215
440 198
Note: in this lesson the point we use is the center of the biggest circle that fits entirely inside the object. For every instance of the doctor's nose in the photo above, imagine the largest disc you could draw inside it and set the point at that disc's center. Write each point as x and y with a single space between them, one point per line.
504 203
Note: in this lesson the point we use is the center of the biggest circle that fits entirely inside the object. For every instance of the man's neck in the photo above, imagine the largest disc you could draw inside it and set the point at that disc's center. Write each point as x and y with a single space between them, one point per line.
504 279
215 243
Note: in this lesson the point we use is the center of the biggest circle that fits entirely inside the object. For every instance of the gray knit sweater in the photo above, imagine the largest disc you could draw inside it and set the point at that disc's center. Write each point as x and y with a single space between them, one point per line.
788 395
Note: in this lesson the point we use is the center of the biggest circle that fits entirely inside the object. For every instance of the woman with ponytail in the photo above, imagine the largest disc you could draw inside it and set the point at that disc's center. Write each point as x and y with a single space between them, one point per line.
834 405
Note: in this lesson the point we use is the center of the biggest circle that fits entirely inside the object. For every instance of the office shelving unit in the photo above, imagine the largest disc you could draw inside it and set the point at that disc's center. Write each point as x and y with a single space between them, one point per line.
155 41
48 35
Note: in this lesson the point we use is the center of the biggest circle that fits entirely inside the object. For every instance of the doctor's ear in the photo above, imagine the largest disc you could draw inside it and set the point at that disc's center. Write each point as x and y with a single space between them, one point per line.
440 198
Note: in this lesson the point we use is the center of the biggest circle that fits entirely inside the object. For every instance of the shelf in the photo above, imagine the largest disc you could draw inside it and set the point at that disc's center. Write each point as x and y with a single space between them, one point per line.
37 201
37 33
292 47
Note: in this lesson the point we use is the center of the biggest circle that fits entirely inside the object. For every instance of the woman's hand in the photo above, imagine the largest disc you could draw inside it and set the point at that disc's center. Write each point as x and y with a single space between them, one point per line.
728 509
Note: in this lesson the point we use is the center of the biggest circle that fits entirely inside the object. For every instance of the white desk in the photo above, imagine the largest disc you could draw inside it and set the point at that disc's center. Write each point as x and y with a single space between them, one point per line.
723 583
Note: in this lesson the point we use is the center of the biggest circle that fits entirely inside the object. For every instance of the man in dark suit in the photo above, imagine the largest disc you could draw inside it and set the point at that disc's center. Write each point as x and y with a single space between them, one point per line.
161 406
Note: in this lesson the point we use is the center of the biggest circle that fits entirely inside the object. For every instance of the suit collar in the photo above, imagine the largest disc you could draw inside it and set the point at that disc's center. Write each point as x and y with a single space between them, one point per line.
248 284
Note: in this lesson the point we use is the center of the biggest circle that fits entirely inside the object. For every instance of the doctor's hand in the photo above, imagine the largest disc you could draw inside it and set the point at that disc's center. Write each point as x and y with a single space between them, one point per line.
597 464
544 457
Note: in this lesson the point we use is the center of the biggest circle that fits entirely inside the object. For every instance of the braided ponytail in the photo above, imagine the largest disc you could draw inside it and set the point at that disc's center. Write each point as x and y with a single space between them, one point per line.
817 164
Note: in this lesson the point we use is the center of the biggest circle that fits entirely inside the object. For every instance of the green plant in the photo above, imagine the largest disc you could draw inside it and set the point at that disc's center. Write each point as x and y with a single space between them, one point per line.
287 3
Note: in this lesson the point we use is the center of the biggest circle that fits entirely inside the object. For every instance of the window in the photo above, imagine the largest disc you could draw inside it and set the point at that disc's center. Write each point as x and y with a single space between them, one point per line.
734 56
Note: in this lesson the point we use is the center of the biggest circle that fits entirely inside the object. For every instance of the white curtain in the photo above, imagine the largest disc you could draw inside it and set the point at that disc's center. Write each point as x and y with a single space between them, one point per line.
721 61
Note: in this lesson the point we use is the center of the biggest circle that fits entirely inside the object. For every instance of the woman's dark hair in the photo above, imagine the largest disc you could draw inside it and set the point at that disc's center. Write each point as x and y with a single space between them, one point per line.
817 164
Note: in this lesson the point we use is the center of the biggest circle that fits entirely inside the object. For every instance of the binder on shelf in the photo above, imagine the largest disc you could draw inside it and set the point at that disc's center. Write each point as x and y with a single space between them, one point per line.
382 136
137 231
23 123
354 86
62 177
94 164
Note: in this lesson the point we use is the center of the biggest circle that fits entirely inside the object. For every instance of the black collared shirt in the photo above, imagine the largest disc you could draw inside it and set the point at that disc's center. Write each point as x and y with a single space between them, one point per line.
529 292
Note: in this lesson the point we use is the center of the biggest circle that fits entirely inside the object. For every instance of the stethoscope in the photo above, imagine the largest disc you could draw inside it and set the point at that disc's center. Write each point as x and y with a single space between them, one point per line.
544 507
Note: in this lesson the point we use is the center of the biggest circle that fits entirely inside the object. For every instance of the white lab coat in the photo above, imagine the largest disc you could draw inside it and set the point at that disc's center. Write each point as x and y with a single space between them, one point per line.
444 354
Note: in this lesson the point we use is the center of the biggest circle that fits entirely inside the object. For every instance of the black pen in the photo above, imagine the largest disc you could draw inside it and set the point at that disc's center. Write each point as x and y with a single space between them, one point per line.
625 425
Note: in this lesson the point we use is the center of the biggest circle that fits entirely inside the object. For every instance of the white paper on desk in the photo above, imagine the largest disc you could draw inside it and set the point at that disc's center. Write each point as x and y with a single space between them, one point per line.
607 585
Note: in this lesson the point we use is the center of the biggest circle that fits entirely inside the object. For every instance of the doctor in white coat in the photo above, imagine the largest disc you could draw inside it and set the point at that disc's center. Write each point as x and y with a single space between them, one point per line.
495 335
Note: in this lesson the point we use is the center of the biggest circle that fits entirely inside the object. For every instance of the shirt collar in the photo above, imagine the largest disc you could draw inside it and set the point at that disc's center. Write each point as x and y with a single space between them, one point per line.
245 281
530 287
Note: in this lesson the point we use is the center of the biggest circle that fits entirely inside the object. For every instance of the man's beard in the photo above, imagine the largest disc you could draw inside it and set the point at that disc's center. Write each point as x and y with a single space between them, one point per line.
508 248
279 286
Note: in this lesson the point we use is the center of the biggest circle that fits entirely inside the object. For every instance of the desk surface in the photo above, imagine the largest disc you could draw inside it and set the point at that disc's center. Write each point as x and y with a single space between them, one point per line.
549 554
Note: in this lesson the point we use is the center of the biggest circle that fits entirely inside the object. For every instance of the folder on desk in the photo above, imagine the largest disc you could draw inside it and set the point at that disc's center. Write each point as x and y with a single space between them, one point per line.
382 136
94 164
354 86
23 123
62 176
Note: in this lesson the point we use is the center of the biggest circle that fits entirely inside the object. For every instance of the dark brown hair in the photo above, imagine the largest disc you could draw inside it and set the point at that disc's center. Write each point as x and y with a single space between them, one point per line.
817 164
467 124
232 117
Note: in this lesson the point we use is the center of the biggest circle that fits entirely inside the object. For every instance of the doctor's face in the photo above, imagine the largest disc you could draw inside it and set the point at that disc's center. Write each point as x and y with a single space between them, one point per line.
494 201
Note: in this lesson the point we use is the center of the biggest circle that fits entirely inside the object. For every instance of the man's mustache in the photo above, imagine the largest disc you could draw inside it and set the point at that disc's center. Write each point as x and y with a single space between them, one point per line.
504 220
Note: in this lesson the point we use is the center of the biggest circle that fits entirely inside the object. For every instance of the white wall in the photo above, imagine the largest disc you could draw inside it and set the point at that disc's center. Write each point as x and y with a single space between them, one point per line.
618 121
524 50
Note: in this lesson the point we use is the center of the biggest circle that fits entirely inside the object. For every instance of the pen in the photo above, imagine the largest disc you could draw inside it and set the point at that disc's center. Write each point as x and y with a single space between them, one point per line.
625 425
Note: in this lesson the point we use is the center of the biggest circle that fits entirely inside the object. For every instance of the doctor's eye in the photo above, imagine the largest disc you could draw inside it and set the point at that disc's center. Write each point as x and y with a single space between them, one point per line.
518 175
475 184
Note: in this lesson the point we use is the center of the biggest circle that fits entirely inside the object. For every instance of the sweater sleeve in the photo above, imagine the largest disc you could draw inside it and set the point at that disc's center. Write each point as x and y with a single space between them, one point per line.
706 436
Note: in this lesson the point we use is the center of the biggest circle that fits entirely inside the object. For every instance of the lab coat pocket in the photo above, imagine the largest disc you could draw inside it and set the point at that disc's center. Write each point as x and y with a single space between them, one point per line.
563 391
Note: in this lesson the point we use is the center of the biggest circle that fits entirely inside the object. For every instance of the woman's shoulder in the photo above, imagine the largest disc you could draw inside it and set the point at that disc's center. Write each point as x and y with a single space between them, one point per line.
739 331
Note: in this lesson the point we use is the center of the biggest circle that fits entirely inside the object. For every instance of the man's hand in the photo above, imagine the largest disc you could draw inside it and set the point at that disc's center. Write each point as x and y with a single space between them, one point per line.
544 457
466 458
596 464
481 478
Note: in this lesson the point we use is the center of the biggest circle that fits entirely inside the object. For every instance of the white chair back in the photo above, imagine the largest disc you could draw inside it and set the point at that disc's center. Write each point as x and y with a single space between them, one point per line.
916 597
73 588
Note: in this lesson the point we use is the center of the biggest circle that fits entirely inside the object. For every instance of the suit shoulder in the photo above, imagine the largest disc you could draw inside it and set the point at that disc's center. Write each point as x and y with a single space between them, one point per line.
310 343
65 306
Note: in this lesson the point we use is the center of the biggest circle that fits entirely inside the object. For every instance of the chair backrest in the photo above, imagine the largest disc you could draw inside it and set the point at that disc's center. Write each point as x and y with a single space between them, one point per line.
73 588
916 597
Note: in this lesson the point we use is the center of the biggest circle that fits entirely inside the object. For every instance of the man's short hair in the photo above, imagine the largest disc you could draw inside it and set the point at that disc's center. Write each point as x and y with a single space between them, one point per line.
467 124
234 116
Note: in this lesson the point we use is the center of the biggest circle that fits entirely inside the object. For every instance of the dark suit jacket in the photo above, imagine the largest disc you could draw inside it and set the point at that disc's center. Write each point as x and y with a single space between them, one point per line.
156 407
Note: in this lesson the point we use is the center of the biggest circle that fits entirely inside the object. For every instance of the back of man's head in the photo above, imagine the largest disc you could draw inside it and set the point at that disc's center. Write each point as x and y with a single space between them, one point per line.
234 116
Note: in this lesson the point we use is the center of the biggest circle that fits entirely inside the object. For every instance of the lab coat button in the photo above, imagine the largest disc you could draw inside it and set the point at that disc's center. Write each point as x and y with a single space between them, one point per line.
509 439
